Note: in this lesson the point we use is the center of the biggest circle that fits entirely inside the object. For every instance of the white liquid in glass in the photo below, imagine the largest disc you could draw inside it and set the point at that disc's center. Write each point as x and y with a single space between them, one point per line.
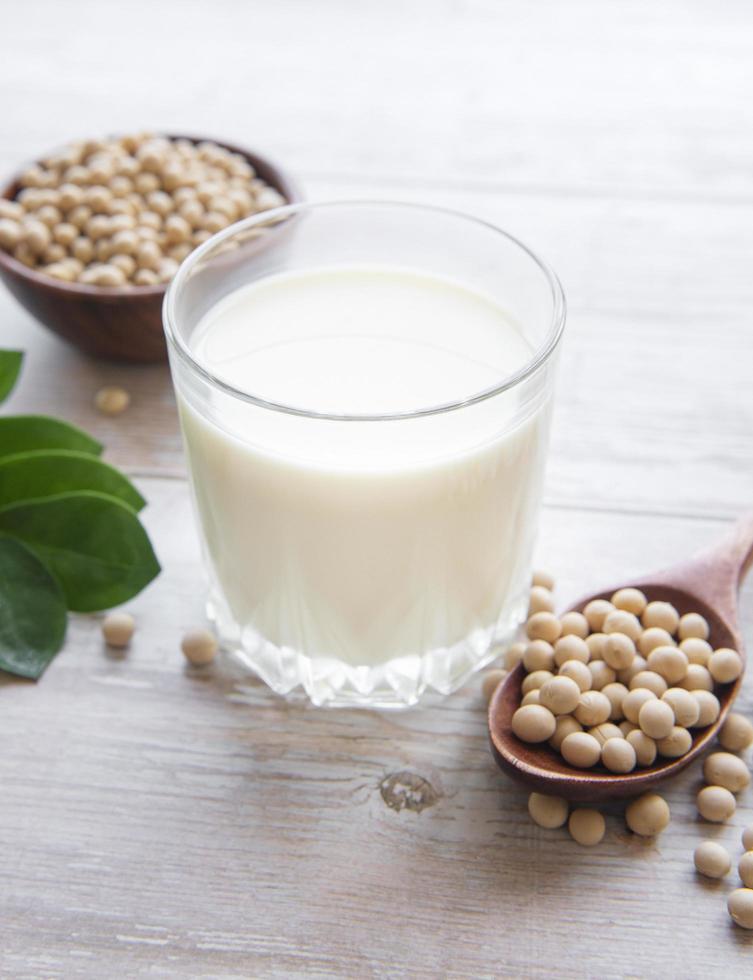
364 541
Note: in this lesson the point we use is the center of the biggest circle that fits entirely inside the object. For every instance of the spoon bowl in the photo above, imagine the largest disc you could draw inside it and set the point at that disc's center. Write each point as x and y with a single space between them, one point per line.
708 584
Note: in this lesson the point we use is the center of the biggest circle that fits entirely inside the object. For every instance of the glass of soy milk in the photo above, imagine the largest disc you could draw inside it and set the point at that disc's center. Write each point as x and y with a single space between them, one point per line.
365 393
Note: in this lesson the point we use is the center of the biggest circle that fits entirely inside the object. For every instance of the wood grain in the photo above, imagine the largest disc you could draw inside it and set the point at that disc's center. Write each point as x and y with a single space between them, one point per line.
586 98
162 821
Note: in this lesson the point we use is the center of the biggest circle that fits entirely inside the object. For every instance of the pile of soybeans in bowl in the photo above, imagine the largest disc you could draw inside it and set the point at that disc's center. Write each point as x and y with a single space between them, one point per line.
126 211
619 684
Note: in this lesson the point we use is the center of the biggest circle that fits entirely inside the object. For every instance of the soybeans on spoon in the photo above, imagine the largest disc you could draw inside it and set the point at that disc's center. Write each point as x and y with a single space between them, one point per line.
707 583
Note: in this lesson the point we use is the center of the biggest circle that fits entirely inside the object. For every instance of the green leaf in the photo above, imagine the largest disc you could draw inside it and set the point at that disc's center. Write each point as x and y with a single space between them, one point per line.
10 365
24 433
93 545
32 611
28 476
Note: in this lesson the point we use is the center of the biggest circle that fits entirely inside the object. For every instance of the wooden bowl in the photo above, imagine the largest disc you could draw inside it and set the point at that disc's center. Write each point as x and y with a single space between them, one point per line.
111 322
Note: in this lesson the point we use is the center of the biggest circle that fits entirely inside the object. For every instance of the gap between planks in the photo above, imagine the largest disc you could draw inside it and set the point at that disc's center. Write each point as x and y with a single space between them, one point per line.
481 185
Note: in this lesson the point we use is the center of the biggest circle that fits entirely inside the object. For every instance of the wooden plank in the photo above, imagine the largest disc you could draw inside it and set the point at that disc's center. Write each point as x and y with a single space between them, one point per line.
585 97
654 406
161 820
641 198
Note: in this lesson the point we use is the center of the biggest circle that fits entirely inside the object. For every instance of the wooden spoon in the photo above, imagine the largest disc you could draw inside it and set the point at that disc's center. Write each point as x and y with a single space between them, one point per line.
708 583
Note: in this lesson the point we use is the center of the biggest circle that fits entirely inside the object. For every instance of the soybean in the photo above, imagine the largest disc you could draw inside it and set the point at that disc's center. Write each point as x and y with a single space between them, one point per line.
548 811
648 815
199 647
533 723
736 734
587 827
727 770
117 629
715 803
712 860
740 907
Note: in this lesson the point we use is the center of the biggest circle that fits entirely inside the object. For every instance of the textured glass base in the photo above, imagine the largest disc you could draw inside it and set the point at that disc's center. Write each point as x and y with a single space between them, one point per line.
398 683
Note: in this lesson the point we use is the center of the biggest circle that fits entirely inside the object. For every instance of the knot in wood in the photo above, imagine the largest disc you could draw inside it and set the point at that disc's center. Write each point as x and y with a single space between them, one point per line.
408 791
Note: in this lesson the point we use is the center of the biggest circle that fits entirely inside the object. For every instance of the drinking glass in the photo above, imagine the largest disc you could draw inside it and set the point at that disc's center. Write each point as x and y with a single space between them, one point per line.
367 557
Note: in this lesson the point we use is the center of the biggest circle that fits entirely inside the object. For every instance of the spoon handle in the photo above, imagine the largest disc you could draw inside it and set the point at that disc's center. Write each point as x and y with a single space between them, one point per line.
741 548
716 573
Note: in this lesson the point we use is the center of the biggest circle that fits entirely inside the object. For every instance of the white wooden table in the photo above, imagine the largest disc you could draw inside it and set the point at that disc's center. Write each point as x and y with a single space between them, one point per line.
156 821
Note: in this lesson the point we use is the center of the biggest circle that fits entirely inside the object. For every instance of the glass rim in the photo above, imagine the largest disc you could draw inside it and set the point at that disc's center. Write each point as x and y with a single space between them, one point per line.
540 356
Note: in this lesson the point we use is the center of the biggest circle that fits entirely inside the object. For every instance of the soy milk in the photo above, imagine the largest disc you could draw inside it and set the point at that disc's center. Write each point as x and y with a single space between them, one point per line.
364 541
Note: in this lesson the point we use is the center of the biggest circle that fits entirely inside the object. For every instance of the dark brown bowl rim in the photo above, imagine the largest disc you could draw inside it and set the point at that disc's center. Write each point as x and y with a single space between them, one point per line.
276 177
